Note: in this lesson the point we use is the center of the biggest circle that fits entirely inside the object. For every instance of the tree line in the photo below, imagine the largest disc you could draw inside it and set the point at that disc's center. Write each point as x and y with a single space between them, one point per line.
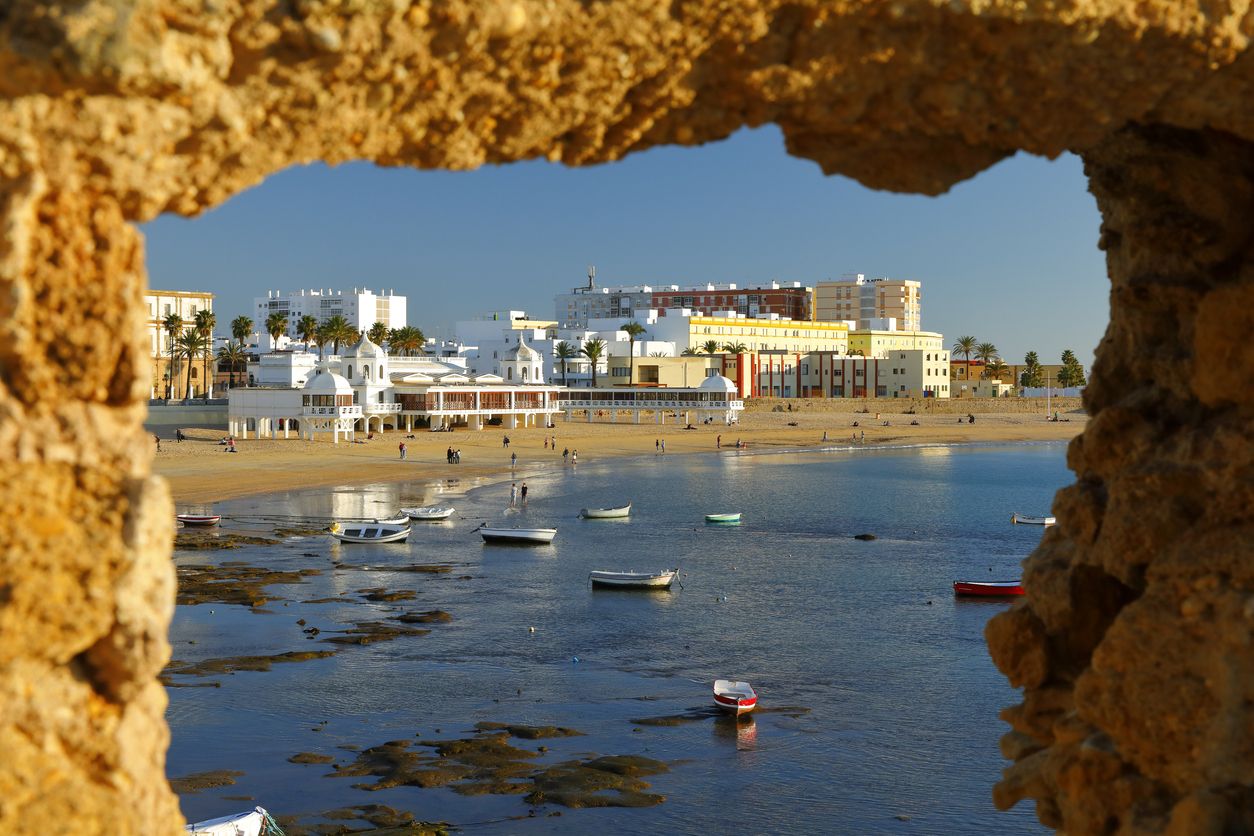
1033 375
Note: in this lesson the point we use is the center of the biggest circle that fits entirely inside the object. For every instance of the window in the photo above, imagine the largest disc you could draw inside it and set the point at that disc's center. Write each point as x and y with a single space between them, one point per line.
509 374
620 372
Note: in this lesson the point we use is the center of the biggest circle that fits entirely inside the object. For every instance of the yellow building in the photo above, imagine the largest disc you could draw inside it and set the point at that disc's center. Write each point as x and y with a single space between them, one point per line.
663 372
862 300
874 343
160 304
767 334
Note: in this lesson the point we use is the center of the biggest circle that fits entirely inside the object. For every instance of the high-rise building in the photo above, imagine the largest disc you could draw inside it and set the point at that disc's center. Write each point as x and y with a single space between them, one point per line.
862 301
575 309
360 306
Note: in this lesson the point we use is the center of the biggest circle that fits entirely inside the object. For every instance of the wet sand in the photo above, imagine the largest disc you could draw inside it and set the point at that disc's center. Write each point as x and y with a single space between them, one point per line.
199 470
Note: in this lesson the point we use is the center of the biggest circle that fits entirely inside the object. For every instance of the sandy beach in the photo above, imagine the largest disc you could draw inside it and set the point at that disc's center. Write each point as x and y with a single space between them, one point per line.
200 471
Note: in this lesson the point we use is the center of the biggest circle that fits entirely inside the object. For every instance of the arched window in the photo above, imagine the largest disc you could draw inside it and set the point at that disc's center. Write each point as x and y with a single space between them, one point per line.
524 373
380 371
509 374
365 372
350 371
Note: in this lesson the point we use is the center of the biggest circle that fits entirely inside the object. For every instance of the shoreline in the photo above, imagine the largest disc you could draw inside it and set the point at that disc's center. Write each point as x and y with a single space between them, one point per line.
198 471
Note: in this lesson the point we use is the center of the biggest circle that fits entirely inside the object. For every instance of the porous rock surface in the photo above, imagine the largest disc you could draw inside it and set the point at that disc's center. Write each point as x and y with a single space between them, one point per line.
1133 647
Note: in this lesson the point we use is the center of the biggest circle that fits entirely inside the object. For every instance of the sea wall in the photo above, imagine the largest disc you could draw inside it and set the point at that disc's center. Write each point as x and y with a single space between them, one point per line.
921 406
164 419
1133 646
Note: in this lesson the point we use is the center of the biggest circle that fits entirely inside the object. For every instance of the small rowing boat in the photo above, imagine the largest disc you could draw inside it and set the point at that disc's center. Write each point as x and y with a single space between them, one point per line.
736 697
255 822
1022 519
988 589
369 532
429 513
401 519
518 536
198 519
634 580
722 518
606 513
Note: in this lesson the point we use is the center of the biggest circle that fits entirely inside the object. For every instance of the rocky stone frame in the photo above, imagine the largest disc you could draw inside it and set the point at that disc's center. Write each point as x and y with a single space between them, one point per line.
1133 646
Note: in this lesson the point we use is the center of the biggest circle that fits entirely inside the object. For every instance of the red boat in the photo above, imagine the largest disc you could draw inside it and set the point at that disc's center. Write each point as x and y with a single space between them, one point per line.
988 589
198 519
737 697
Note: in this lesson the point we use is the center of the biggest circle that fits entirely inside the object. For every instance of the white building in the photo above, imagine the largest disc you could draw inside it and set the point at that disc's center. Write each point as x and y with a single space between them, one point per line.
362 308
716 399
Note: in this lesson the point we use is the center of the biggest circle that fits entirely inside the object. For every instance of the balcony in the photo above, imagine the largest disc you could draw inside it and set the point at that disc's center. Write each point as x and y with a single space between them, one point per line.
381 408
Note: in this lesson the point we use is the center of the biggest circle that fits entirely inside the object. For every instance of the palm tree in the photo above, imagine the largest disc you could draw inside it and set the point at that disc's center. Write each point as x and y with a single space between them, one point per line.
986 353
276 326
689 352
192 345
996 368
173 325
735 348
633 330
565 352
710 347
407 340
1031 376
337 330
378 333
593 349
241 328
307 329
206 320
965 346
234 355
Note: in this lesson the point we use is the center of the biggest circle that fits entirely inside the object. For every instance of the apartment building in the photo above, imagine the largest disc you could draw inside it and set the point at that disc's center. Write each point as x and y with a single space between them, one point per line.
362 308
160 304
862 301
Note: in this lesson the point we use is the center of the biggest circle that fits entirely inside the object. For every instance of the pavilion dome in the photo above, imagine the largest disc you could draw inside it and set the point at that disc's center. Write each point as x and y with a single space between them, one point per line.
522 351
325 382
718 383
365 348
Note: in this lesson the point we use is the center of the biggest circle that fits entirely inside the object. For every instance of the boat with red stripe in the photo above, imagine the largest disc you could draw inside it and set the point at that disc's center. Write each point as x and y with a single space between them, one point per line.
988 589
736 697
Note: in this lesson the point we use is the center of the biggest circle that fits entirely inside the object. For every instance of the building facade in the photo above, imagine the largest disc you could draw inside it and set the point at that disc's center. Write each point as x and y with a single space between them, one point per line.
861 300
170 379
790 300
878 343
362 308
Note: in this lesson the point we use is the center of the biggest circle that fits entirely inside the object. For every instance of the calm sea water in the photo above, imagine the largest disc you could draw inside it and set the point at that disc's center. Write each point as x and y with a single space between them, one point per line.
902 698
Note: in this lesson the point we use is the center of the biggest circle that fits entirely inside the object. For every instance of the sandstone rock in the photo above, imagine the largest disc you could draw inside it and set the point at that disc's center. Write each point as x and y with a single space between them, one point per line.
112 112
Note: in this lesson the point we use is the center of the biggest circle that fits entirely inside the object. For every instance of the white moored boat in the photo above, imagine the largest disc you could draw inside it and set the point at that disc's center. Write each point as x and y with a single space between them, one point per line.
634 580
255 822
198 519
520 536
429 513
606 513
722 518
400 519
369 532
1021 519
736 697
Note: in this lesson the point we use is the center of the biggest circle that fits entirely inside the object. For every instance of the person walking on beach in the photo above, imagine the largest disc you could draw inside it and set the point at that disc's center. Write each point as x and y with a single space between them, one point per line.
863 439
663 445
574 456
546 442
402 449
157 438
825 435
449 455
565 455
178 436
718 443
523 492
513 460
513 494
656 445
457 456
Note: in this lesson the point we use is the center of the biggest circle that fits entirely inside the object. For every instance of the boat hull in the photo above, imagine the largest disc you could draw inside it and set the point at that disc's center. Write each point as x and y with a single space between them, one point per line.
985 589
431 514
735 697
633 580
606 513
518 536
369 533
722 518
198 519
1019 519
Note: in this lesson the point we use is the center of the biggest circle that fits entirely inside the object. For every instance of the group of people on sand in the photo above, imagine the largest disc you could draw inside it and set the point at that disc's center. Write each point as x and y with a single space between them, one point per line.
454 456
515 492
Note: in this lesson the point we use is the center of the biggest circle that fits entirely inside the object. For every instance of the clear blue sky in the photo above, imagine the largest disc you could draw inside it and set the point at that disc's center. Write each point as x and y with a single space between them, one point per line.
1009 257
